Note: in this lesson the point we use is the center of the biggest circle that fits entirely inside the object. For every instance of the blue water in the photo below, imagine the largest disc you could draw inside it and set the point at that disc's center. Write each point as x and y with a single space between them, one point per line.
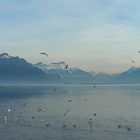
72 112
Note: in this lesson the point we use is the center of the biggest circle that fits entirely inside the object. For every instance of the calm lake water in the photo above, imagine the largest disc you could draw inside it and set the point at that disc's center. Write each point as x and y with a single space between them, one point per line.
107 112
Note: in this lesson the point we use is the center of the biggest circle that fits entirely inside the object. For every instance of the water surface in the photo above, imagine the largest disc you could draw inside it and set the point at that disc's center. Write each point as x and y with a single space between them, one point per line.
107 112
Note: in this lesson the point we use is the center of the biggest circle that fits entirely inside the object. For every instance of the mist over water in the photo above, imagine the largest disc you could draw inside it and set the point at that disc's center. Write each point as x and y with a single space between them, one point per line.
107 112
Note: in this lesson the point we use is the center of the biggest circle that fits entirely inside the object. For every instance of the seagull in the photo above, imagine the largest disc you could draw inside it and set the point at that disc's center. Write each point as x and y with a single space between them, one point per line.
33 117
128 129
69 100
5 119
44 54
90 119
94 114
66 67
39 110
74 126
119 126
47 125
66 112
9 110
64 125
132 60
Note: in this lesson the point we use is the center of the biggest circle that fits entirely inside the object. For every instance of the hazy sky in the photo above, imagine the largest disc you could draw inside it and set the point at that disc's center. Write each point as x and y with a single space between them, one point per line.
98 35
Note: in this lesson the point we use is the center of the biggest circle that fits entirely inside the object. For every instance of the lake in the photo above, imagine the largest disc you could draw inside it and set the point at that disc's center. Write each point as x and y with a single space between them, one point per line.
70 112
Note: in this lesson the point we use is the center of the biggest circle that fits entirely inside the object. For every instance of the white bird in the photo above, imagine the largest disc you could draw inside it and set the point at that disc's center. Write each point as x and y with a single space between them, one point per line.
5 119
9 110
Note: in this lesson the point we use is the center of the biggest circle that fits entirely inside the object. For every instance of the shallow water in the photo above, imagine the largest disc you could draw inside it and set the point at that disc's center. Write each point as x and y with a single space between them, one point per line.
67 112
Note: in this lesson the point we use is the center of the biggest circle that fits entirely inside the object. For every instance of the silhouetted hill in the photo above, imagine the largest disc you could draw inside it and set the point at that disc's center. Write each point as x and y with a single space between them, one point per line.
130 76
16 69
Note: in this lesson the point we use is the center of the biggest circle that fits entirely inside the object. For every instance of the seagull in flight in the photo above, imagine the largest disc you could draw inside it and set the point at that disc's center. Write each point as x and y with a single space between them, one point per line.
44 54
66 67
9 110
66 112
132 60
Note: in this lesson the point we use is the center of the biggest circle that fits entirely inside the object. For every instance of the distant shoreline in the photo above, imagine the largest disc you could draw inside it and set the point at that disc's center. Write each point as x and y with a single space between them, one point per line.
60 84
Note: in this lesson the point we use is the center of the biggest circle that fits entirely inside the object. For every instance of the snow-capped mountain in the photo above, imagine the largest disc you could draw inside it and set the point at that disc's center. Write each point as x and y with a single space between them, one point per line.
92 73
4 55
102 77
69 75
51 66
131 70
16 69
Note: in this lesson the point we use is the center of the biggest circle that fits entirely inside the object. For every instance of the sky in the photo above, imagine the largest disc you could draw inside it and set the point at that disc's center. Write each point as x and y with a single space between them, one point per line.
94 35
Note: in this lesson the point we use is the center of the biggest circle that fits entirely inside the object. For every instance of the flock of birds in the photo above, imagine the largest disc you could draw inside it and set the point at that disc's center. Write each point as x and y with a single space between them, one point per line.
91 120
6 114
43 53
66 66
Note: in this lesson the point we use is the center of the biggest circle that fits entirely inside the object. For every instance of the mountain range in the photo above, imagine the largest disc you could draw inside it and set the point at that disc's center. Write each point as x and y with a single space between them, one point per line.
68 76
18 70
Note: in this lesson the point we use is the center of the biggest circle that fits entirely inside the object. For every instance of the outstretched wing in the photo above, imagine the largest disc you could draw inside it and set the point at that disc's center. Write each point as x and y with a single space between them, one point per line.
131 60
44 53
66 67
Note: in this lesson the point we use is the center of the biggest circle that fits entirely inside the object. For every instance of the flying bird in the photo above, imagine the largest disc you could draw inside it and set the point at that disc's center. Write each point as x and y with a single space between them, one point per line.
47 125
119 126
9 110
74 126
128 129
44 54
66 67
69 100
66 112
5 119
132 60
94 114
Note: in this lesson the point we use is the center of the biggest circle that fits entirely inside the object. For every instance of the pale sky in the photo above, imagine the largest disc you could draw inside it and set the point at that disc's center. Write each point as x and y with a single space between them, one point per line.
94 35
